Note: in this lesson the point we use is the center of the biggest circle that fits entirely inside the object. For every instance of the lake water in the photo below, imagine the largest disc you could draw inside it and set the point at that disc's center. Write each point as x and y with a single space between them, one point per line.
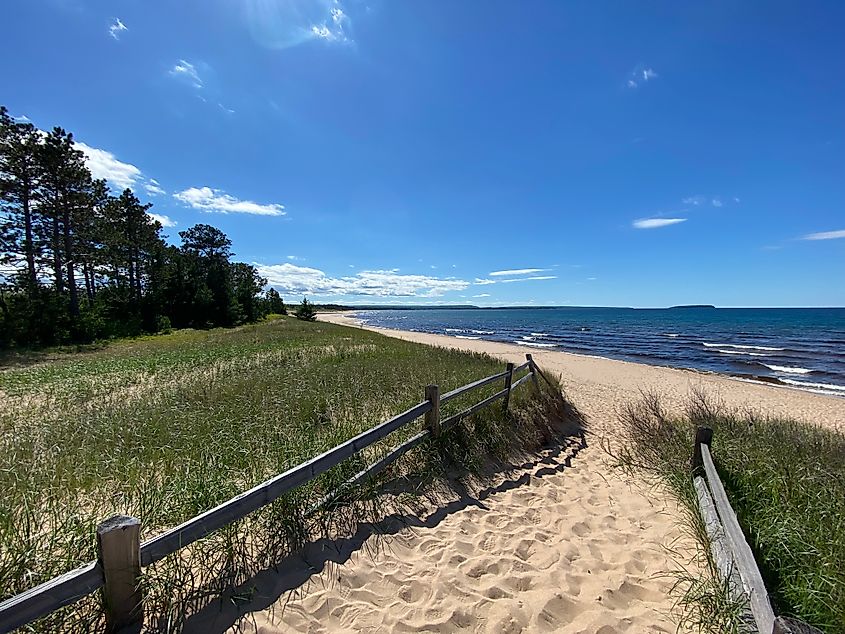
799 347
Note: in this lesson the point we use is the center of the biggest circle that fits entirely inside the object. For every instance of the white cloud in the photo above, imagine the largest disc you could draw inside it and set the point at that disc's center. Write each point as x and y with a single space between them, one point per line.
693 200
825 235
104 164
116 27
716 202
154 188
225 109
515 272
736 200
481 295
640 75
216 201
481 282
302 280
526 279
186 72
654 223
166 221
23 119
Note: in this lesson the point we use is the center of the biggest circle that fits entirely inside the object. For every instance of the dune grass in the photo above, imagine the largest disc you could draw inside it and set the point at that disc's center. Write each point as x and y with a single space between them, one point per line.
165 427
786 482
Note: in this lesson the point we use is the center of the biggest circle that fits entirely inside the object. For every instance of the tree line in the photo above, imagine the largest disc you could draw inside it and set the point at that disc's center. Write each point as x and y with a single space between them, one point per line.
78 263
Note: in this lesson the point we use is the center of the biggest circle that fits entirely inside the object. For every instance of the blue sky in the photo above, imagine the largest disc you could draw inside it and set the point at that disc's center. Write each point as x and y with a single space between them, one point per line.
488 152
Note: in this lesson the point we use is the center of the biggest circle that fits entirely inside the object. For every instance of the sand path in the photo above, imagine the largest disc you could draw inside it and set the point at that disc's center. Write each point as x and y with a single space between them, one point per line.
561 545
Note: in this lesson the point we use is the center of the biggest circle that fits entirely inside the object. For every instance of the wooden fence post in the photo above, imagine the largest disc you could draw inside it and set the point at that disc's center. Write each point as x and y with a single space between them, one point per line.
703 436
508 383
119 550
432 417
533 367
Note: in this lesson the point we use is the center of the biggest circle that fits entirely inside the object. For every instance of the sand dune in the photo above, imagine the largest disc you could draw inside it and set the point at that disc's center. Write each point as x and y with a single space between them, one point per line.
563 544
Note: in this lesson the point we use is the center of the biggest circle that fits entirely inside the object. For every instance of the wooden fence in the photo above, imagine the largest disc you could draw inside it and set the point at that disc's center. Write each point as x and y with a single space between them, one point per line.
730 551
121 556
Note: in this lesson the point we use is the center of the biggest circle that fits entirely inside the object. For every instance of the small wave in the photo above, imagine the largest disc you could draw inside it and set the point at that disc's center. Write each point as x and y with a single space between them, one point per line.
465 337
743 353
528 338
820 386
787 369
483 332
732 345
534 344
673 335
539 334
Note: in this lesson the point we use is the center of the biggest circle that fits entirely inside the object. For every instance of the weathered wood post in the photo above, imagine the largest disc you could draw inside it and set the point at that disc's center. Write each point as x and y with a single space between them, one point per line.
119 551
432 417
703 436
508 383
533 368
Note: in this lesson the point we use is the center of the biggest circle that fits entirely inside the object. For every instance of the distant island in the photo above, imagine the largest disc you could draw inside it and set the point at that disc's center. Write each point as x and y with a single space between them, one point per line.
692 306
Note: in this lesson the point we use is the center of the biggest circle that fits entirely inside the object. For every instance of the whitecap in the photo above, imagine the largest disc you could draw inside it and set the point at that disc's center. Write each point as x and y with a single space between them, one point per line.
740 347
787 369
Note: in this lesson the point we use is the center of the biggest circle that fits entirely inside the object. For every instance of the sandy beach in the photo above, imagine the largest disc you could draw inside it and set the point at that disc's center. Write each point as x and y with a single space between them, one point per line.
564 544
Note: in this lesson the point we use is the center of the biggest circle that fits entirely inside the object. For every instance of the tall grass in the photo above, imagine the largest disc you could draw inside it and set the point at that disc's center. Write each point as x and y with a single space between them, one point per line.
164 428
786 482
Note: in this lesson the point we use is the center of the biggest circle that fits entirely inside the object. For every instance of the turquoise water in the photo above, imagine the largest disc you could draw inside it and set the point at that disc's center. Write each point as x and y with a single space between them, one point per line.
798 347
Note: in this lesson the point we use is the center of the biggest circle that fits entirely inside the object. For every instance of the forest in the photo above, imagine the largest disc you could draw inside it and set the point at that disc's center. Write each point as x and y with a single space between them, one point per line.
79 264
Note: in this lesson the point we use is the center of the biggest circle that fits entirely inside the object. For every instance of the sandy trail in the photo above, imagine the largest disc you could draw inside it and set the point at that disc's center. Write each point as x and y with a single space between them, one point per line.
560 545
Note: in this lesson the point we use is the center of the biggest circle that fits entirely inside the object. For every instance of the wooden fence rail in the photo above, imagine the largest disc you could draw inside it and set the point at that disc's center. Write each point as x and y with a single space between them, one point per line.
120 557
731 553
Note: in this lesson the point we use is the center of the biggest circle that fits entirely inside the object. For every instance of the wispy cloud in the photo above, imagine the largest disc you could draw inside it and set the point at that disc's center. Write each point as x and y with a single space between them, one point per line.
480 295
302 280
515 272
185 71
694 200
154 188
655 223
116 27
166 221
485 282
280 24
217 201
825 235
527 279
640 76
716 202
104 164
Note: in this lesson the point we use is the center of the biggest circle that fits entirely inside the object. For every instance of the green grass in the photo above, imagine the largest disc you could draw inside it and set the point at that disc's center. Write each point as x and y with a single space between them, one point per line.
165 427
786 482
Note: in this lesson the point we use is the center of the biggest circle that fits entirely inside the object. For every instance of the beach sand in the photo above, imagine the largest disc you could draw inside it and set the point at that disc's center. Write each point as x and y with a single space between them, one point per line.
564 544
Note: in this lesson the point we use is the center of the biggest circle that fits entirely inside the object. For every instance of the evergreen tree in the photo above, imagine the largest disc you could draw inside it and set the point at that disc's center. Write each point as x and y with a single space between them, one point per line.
306 311
275 303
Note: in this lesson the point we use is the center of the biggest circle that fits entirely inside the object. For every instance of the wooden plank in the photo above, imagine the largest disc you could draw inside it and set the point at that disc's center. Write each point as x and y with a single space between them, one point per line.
118 545
519 382
719 547
50 596
448 396
508 382
266 492
453 420
373 469
752 581
432 416
522 367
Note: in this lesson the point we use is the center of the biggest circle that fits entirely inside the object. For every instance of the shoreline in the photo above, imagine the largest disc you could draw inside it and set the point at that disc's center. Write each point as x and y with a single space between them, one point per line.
619 379
832 390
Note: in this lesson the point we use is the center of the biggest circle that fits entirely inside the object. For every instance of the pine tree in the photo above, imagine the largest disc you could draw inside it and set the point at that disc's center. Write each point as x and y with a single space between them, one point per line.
306 311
